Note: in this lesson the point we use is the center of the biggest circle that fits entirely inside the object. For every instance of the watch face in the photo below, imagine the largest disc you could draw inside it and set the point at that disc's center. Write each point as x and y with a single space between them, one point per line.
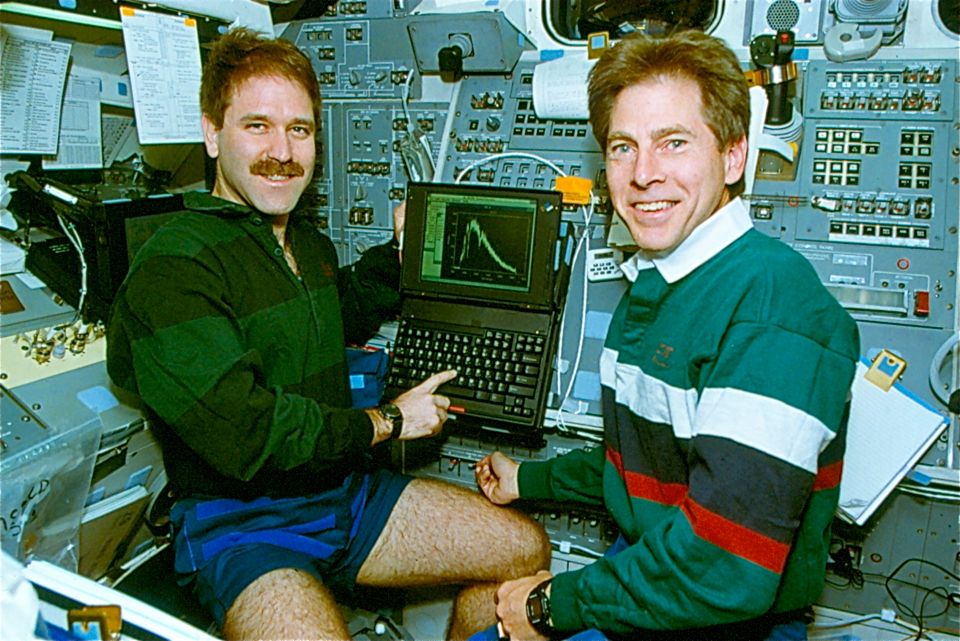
393 414
538 609
391 411
535 609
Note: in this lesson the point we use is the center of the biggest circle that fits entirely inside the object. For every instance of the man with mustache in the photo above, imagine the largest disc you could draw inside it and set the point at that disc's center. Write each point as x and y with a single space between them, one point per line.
231 326
725 378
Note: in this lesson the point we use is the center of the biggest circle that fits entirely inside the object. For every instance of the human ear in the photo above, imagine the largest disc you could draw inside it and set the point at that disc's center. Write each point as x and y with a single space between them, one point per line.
735 159
211 135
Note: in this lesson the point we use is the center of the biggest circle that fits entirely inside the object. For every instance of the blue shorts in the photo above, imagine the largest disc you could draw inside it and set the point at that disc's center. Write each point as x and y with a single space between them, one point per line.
327 536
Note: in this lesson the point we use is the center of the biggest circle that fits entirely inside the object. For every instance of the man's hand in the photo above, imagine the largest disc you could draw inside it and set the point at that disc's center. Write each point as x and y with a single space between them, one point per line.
497 477
424 412
511 600
399 218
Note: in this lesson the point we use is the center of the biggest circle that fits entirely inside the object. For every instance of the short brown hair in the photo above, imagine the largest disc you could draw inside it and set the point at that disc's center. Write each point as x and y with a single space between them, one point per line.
241 54
686 54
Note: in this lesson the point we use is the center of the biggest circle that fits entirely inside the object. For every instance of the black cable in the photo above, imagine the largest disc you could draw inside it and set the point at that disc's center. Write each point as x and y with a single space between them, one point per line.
939 591
842 566
875 575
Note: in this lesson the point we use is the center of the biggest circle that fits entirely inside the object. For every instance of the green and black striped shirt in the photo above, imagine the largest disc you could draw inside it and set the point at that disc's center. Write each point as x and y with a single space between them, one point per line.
241 363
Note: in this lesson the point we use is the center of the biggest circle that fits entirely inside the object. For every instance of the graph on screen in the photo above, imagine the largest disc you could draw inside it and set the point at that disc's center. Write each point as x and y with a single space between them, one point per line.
482 242
477 250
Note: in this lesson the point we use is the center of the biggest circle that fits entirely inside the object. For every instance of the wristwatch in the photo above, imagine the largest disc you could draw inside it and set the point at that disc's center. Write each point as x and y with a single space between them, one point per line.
393 414
538 609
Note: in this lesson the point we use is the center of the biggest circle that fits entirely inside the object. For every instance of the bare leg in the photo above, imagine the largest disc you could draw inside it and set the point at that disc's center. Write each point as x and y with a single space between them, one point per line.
439 533
285 604
473 610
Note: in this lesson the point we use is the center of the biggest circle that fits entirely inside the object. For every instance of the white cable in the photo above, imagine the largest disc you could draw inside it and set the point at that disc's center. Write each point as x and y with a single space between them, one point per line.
411 129
876 616
405 96
426 147
936 384
583 324
77 243
588 215
842 623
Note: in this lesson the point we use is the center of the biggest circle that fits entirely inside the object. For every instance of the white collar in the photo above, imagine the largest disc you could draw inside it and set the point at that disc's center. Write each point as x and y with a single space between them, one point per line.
729 223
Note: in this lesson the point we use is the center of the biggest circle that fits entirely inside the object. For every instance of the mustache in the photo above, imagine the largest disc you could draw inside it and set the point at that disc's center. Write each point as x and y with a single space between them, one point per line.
271 167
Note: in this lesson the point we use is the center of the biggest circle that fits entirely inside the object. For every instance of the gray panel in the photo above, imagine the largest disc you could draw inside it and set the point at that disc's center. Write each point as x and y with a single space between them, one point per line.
874 206
492 44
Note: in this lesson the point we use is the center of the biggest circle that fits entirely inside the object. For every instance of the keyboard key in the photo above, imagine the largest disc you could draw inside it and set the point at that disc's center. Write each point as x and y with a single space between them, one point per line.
520 390
455 391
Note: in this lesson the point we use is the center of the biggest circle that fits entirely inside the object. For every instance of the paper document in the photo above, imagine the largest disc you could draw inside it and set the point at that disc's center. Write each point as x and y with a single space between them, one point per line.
560 88
26 33
887 434
32 77
163 57
13 258
80 137
116 132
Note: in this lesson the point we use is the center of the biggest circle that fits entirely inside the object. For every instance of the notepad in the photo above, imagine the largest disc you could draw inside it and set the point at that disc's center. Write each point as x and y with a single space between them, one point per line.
887 434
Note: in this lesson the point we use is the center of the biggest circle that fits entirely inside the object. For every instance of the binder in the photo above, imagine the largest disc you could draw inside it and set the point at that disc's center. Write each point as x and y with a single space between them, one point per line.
888 432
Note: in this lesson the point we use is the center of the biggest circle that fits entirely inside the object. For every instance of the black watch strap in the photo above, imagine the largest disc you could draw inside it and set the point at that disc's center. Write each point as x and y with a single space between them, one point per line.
393 414
538 609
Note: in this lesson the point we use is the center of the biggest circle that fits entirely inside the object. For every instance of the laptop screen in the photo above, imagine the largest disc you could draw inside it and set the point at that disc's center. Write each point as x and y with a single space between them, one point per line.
481 242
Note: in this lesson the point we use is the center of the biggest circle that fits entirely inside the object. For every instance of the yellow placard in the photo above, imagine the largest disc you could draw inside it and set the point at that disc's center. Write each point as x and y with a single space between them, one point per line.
597 43
575 189
885 369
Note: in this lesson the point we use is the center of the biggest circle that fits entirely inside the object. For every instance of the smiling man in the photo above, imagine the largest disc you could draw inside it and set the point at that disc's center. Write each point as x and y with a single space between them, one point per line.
725 377
231 326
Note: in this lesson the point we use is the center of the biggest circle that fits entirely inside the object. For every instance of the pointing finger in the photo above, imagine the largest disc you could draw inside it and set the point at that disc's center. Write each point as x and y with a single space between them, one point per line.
438 379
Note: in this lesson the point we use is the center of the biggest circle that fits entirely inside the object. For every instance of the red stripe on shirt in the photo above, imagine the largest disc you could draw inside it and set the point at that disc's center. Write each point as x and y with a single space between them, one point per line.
735 538
828 477
646 487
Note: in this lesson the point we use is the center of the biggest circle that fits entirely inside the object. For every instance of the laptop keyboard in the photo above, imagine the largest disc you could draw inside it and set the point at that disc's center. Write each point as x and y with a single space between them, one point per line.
499 369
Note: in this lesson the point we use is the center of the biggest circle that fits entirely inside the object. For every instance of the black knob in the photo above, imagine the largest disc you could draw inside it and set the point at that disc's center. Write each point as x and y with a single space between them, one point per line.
762 51
450 60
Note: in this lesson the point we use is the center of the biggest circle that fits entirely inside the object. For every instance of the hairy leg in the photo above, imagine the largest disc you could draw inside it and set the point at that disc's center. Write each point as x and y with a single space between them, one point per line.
285 604
473 610
439 533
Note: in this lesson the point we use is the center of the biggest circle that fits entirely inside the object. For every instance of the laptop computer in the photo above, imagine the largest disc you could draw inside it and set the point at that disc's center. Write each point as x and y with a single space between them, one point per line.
484 279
